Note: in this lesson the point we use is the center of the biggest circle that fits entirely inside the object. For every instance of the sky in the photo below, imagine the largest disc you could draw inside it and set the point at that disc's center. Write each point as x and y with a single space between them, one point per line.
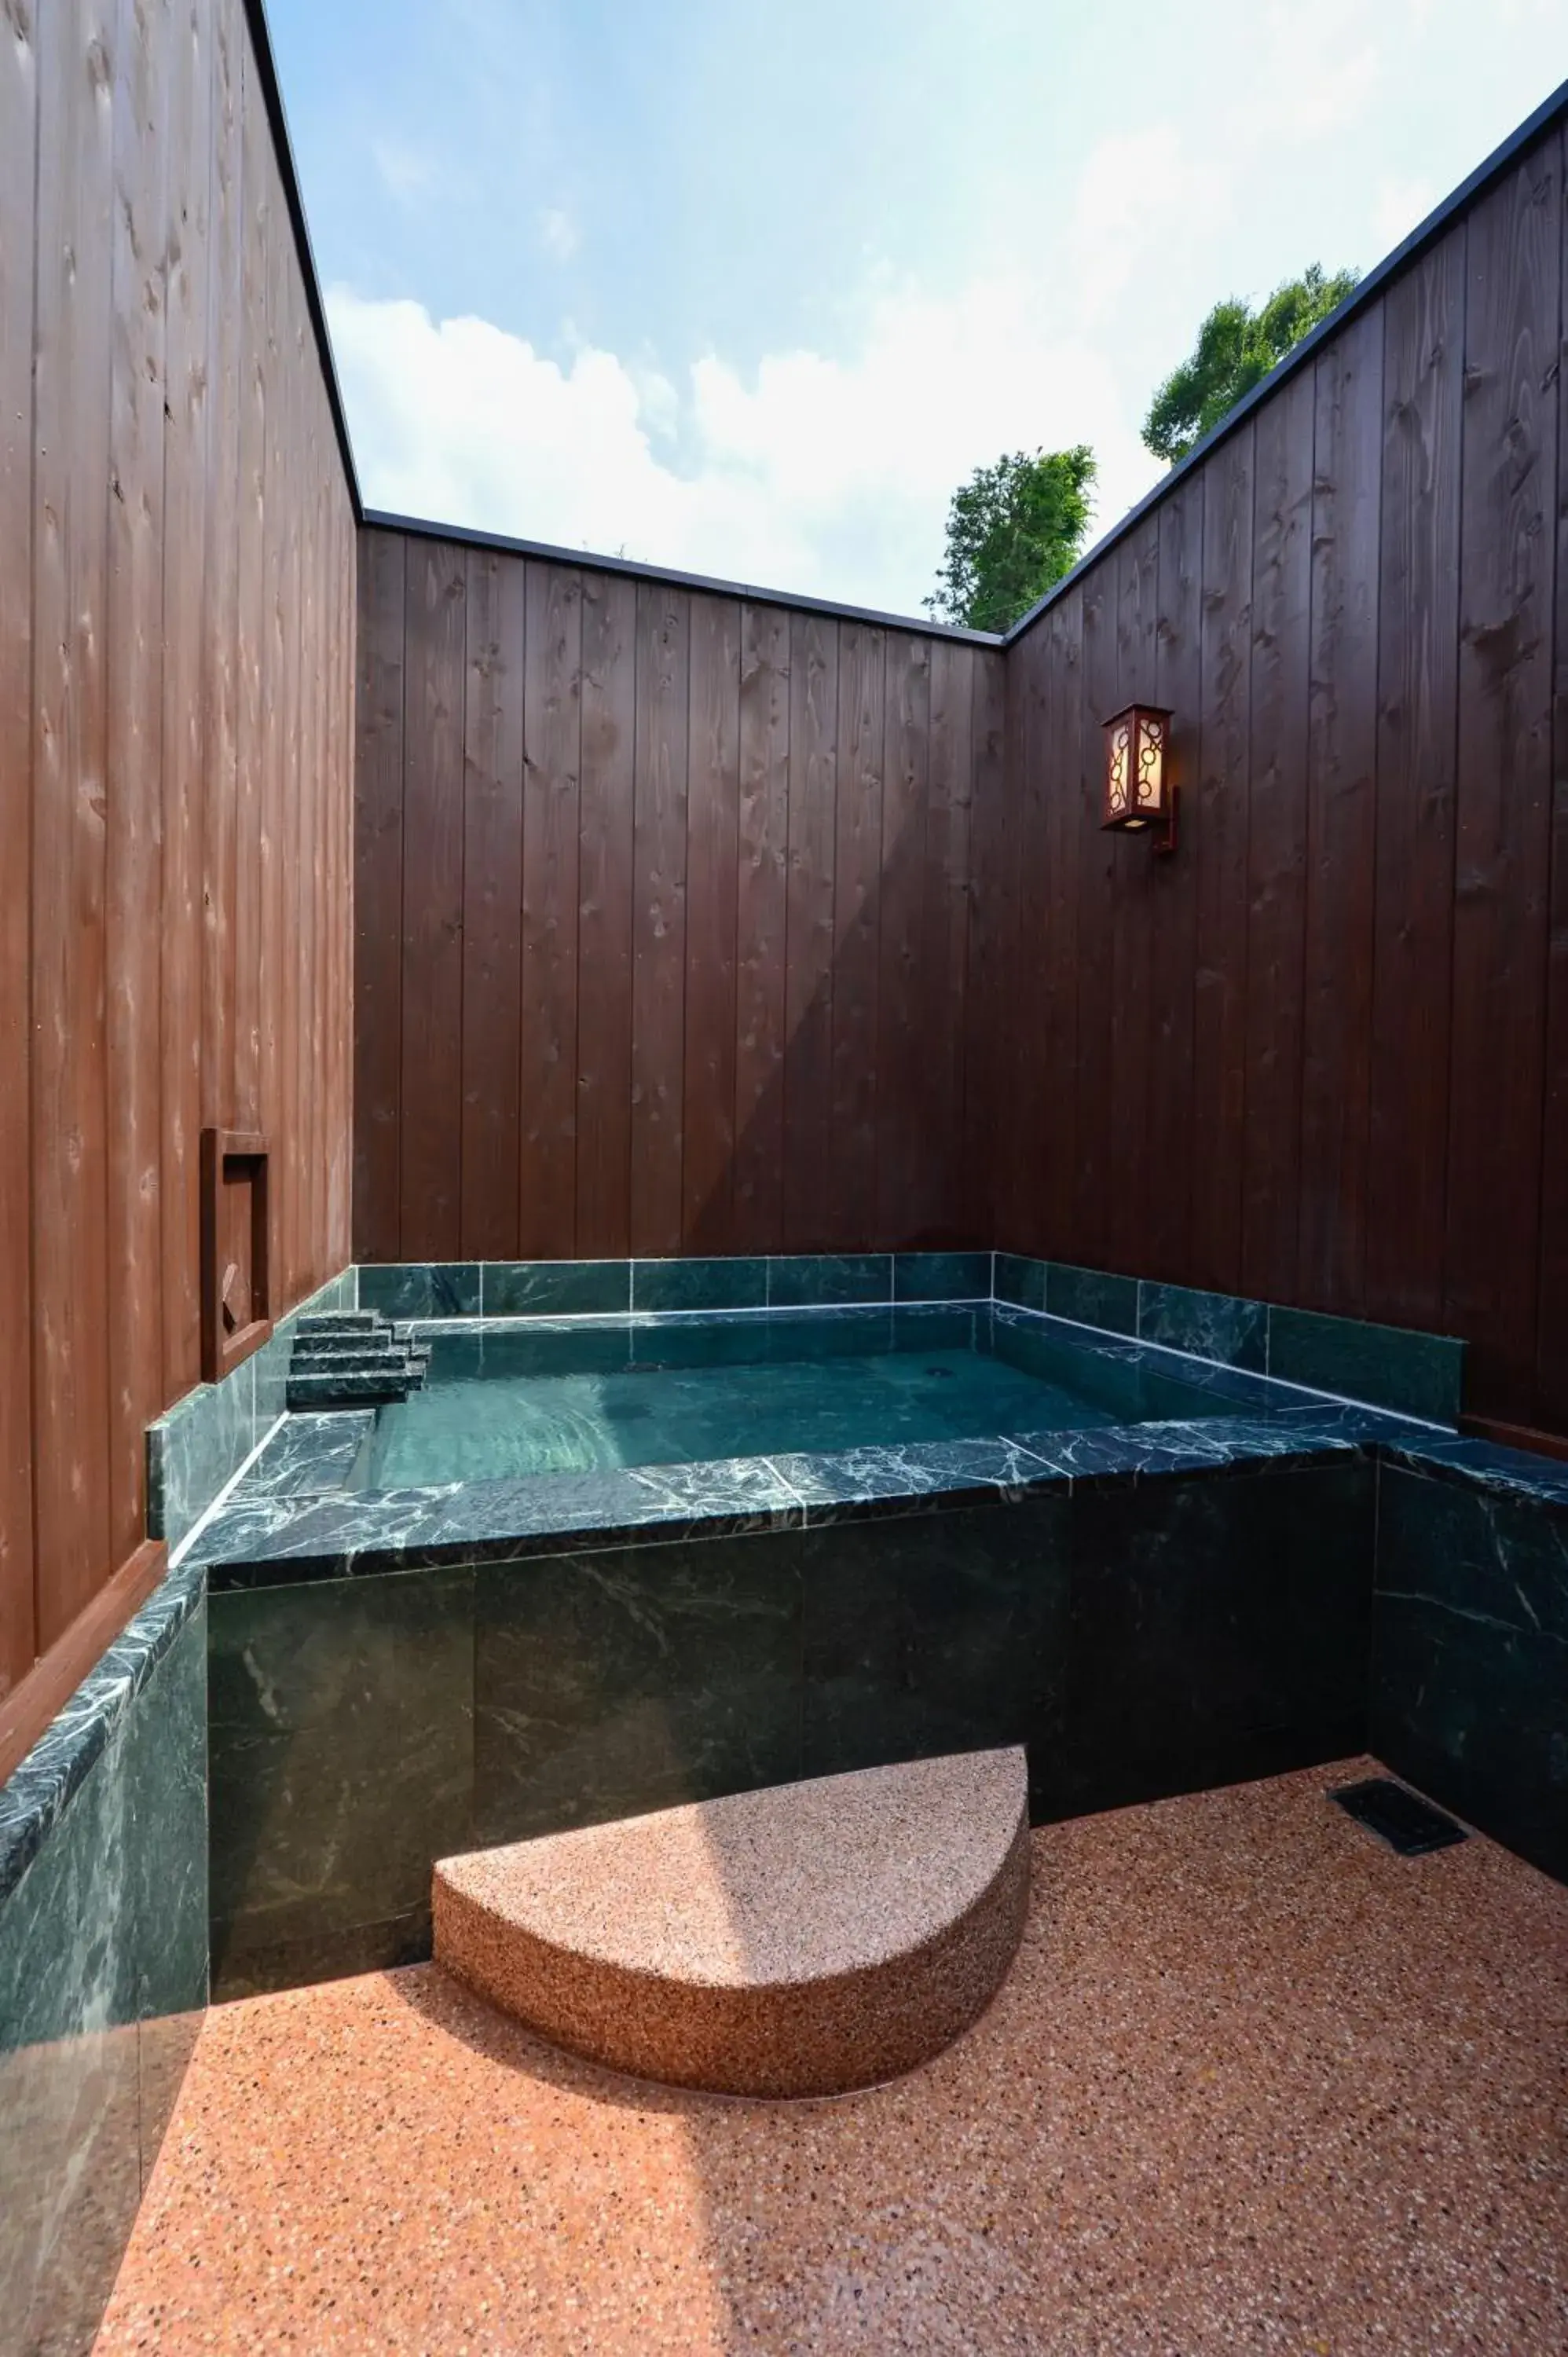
750 290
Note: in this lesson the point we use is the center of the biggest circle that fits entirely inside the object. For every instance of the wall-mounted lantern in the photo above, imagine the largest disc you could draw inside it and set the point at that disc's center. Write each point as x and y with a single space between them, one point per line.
1138 788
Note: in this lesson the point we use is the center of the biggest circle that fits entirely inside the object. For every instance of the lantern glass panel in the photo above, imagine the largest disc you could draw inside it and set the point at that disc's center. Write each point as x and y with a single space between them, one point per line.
1118 783
1150 788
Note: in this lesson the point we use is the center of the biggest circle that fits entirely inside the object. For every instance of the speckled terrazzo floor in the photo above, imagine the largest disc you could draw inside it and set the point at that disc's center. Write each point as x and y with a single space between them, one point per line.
1254 2085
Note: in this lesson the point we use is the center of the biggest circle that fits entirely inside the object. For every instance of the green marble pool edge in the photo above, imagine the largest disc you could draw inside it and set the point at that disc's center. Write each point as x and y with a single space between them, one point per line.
262 1536
1405 1371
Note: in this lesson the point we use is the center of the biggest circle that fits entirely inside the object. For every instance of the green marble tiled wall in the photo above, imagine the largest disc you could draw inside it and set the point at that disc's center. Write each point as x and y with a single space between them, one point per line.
1470 1654
102 1973
1387 1366
1152 1640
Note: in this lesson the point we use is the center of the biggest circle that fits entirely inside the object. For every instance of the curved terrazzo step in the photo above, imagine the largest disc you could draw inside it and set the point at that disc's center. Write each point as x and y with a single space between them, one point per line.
800 1940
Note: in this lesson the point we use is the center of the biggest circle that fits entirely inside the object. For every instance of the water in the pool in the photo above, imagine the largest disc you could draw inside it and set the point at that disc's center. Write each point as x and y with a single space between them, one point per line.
496 1425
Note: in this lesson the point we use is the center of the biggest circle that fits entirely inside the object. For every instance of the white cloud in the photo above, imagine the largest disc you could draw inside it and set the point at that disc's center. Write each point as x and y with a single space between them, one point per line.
558 233
826 475
1318 74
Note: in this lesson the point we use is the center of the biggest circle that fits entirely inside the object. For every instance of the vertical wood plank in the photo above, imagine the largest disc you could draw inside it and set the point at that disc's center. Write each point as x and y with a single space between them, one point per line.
1173 914
315 966
431 1086
185 722
713 822
975 1142
279 484
1342 725
242 1085
1512 357
1094 1073
808 945
605 917
70 1377
341 820
492 903
1015 853
286 856
222 681
18 255
1551 1409
859 880
945 927
553 707
659 937
1281 599
1049 1107
378 897
1137 881
902 1046
1220 820
761 898
133 658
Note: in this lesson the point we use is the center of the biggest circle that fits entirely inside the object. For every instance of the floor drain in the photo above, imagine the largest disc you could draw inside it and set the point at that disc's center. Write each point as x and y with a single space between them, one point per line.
1402 1818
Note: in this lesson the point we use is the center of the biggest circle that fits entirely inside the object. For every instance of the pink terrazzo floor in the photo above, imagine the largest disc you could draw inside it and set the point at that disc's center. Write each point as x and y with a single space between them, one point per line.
1254 2085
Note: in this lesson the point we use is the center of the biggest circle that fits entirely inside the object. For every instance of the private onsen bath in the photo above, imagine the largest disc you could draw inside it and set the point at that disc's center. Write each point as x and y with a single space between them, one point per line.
782 1526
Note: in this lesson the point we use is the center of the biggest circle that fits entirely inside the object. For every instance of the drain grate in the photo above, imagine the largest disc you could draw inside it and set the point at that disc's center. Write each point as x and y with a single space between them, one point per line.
1402 1818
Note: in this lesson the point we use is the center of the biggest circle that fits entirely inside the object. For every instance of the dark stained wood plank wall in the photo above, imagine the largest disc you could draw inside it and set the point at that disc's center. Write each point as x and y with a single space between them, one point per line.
1097 867
658 916
604 916
904 1039
245 966
221 683
957 710
859 872
1551 1332
1170 1138
761 899
1418 655
493 796
1050 1012
1355 1079
713 851
737 963
809 1218
378 898
191 393
167 458
1141 886
70 1176
1507 561
1291 1061
553 755
1216 847
1276 875
968 1198
1341 812
431 1085
133 675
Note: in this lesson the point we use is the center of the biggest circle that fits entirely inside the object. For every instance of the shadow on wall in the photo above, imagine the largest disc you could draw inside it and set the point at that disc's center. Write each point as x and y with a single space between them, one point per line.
667 919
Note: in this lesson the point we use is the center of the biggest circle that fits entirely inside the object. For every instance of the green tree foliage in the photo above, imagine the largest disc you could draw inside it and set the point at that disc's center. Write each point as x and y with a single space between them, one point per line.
1236 349
1013 529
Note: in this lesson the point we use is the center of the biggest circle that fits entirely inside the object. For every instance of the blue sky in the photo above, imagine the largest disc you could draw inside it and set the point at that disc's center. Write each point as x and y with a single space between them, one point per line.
749 289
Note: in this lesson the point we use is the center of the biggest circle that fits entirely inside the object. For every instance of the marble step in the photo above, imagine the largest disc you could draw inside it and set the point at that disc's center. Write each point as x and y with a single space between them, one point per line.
801 1941
353 1386
341 1321
346 1345
311 1358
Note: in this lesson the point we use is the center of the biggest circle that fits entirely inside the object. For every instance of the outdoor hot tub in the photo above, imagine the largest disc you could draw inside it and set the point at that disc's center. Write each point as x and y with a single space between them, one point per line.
672 1544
